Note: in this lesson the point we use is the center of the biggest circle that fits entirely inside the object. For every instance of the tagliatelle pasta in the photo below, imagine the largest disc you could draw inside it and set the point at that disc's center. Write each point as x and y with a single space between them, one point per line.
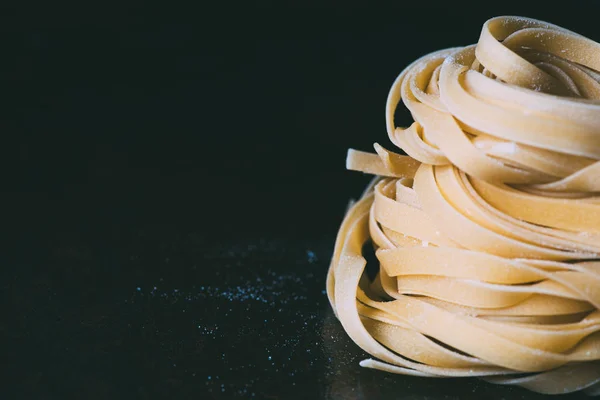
488 232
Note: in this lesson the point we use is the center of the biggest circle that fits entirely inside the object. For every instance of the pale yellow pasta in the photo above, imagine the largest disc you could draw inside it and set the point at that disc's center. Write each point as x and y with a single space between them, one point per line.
488 232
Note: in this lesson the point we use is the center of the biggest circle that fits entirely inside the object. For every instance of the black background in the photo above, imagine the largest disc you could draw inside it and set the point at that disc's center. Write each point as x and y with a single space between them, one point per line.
172 190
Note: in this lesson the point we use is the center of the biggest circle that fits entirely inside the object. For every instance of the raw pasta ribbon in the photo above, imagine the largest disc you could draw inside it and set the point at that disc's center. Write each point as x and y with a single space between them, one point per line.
487 232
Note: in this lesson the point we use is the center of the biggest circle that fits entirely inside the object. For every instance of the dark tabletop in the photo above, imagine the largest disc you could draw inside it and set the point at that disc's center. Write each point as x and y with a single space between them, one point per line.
173 191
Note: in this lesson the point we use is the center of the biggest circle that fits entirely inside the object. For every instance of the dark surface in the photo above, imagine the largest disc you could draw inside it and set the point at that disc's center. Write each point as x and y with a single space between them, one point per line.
174 194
